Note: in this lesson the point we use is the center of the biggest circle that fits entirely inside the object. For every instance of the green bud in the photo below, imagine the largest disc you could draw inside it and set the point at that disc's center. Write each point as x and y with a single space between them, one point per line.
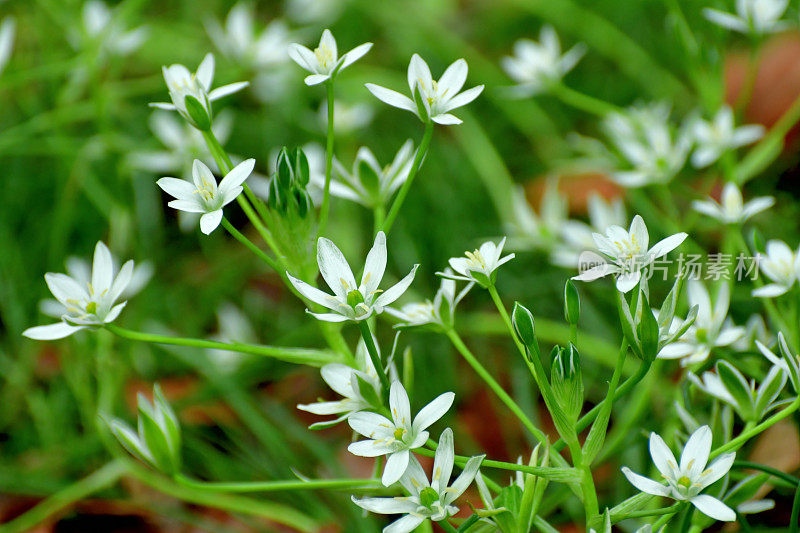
567 382
647 331
572 303
198 114
302 173
524 326
285 174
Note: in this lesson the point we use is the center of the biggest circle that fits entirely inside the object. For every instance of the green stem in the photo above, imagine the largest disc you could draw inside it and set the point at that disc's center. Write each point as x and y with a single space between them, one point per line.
583 102
795 519
293 355
283 485
401 195
546 472
470 358
672 509
507 320
326 194
447 526
752 432
749 465
98 480
250 246
374 355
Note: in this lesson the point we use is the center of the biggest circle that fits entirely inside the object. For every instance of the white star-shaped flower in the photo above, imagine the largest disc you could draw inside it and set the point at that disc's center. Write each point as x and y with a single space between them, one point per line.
782 266
479 266
731 209
752 16
719 135
324 62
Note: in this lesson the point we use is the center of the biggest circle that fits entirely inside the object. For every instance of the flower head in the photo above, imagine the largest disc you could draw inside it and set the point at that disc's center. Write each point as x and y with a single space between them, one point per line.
537 66
479 265
731 209
430 99
191 93
714 138
426 499
324 62
204 195
101 26
711 328
369 183
755 17
686 480
629 253
89 304
395 437
438 313
529 229
351 301
238 40
782 266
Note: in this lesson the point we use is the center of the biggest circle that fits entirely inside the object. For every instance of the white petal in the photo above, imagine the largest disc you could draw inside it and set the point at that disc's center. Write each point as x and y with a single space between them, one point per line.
313 293
355 54
406 524
396 465
334 268
396 291
710 506
371 425
399 405
645 484
443 461
393 98
102 268
225 90
64 287
368 448
433 411
59 330
695 453
316 79
237 175
453 78
210 221
770 291
205 72
627 281
177 188
447 120
386 505
662 456
375 265
464 98
665 246
717 469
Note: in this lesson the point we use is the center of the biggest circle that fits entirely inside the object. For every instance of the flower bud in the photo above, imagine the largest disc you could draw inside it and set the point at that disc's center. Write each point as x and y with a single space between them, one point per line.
566 380
198 114
287 189
572 303
523 322
647 331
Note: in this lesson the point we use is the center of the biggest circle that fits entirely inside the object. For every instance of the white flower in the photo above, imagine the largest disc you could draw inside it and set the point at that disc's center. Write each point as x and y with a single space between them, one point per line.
629 253
237 39
101 23
528 229
710 329
425 499
89 304
731 208
360 388
752 16
438 312
350 301
479 265
577 236
396 437
644 137
751 400
782 266
537 66
204 195
7 31
433 99
714 138
687 480
324 62
369 183
183 84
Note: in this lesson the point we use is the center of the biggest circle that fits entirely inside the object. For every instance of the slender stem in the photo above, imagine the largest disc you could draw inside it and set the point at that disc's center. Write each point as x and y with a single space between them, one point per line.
583 102
269 486
401 195
326 195
447 526
795 519
379 215
672 509
292 355
751 75
506 319
374 355
98 480
542 471
664 520
249 244
768 469
470 358
750 433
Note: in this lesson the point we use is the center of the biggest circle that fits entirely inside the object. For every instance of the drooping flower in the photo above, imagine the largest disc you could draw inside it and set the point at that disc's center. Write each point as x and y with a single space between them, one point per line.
438 313
756 17
204 195
685 481
629 253
731 208
782 266
652 152
396 438
360 388
426 500
479 266
86 305
711 329
537 66
237 38
751 400
431 100
715 137
191 93
324 62
369 183
350 301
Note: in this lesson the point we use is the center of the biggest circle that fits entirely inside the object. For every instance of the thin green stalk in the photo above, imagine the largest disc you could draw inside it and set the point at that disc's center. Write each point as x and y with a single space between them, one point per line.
752 432
97 481
665 519
447 526
507 321
749 465
250 246
546 472
283 485
401 195
672 509
307 356
583 102
795 519
374 355
470 358
326 195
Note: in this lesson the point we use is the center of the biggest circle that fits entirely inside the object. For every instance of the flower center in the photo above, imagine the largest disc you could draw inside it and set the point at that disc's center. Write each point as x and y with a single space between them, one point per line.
399 433
91 308
354 298
428 496
476 260
685 482
324 56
